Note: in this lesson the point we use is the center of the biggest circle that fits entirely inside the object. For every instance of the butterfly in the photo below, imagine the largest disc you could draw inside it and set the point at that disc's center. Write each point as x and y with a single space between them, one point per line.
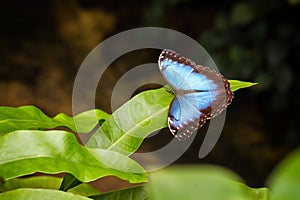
201 93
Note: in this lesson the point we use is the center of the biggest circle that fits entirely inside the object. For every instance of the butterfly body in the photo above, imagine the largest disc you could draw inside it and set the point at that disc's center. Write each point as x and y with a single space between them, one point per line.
201 93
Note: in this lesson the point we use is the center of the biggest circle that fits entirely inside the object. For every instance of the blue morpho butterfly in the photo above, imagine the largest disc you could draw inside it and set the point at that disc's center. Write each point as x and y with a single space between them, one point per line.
201 93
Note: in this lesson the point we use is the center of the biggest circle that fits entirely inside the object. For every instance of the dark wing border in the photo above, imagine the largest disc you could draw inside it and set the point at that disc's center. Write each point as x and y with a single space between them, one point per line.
216 107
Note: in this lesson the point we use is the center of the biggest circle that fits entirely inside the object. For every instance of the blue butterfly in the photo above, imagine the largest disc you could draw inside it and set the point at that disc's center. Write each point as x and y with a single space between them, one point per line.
201 93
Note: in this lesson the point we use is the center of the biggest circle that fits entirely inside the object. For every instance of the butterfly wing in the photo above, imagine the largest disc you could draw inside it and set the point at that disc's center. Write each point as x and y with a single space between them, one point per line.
201 93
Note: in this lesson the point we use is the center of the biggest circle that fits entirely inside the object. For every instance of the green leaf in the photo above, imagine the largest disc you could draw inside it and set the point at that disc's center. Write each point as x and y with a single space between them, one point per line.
284 182
134 193
37 194
47 182
255 193
236 85
126 128
117 161
206 182
195 182
86 121
51 152
84 189
145 113
42 182
32 118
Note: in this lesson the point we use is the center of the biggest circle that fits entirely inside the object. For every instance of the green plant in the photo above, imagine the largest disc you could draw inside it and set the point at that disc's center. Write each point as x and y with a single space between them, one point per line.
30 142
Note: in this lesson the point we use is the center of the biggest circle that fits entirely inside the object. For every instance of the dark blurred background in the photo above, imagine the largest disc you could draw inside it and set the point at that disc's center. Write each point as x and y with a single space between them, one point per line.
42 44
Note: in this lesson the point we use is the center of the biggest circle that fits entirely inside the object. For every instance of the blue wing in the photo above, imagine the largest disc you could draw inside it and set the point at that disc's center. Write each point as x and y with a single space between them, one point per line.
201 93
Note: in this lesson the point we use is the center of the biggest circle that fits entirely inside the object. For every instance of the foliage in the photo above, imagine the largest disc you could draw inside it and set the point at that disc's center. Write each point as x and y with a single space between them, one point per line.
24 152
31 118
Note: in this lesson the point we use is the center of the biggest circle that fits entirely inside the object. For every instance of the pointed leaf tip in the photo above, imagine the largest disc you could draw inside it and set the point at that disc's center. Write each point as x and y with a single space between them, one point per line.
236 85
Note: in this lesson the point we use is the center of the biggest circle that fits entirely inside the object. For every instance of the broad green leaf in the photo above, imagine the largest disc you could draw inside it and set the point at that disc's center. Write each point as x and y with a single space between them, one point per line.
236 85
117 161
47 182
121 163
195 182
32 118
134 193
87 120
284 182
145 113
84 189
51 152
38 194
126 128
255 193
42 182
